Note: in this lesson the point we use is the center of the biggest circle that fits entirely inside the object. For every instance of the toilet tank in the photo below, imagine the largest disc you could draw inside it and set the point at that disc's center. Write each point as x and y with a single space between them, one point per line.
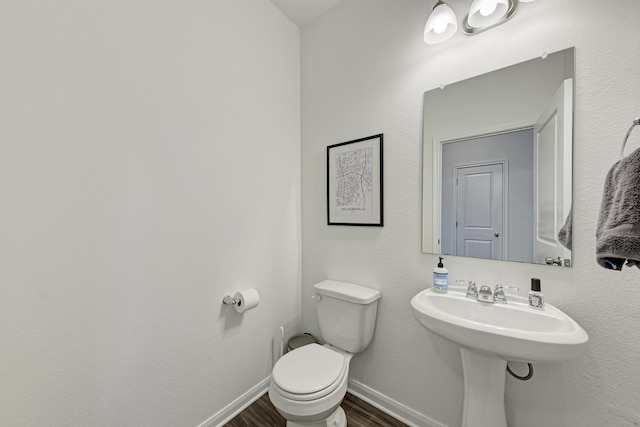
346 313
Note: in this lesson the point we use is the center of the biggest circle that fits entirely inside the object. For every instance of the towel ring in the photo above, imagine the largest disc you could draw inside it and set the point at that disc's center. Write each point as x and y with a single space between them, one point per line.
636 122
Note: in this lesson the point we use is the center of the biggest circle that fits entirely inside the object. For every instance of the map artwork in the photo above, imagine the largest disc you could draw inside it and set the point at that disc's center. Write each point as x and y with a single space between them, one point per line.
354 174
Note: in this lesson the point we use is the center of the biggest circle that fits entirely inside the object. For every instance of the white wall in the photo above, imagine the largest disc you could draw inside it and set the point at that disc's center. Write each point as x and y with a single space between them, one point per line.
149 165
364 71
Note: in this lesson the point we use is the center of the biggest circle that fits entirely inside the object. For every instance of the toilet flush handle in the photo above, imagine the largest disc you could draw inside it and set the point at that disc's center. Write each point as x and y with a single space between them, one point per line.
317 298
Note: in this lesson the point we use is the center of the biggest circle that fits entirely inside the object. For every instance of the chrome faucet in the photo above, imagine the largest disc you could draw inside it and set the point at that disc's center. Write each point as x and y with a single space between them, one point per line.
472 290
499 295
485 294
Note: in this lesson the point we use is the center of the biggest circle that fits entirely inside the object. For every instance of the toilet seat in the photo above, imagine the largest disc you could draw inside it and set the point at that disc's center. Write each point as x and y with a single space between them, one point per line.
309 373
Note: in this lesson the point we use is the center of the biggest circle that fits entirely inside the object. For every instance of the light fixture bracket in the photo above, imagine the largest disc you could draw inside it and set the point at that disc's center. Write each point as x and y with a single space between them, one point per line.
470 31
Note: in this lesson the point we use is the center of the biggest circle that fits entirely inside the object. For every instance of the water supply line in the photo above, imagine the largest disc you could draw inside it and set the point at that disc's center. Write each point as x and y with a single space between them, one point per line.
518 377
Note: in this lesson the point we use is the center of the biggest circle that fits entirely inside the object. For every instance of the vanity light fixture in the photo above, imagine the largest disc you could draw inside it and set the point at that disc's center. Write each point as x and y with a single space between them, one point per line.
483 15
441 24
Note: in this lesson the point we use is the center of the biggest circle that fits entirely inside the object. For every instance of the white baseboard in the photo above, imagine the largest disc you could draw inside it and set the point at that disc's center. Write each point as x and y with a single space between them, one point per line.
390 406
240 404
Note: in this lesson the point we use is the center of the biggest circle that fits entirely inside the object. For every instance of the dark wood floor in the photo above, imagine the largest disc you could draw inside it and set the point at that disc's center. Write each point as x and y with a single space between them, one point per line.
359 414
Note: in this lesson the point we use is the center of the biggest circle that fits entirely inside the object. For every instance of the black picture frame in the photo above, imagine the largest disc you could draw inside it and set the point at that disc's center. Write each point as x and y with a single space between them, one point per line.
355 182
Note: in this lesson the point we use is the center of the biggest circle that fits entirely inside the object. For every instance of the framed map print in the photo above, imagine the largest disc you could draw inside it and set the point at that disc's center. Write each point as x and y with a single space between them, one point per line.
354 182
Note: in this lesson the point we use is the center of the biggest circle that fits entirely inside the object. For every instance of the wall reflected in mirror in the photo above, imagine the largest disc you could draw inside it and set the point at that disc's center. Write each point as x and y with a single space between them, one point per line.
497 163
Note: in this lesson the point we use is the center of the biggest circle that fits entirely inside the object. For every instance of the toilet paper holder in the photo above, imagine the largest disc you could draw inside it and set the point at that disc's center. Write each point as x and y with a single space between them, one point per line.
242 301
229 300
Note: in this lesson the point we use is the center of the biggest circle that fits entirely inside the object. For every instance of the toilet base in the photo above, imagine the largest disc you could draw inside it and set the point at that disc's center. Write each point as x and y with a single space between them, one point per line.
337 419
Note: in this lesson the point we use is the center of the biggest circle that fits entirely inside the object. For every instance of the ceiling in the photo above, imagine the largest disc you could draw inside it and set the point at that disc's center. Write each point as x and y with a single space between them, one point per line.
304 11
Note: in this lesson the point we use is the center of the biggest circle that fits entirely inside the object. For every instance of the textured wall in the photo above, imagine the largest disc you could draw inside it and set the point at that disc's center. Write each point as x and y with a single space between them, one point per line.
149 165
364 71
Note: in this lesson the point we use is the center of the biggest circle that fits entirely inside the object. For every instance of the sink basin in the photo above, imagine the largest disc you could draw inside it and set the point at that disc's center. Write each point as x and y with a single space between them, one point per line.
511 331
489 336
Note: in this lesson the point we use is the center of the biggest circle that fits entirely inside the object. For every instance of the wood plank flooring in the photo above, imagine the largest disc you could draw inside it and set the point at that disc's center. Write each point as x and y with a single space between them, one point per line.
359 414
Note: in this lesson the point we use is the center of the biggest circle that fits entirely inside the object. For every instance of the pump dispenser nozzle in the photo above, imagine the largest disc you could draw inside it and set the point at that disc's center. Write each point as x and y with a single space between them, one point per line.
535 284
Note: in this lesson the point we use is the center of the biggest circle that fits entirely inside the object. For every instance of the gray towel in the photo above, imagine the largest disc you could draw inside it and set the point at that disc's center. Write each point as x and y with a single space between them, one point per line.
618 232
565 235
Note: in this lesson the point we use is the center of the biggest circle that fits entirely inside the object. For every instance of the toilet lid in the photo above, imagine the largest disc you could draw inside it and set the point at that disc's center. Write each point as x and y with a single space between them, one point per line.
308 369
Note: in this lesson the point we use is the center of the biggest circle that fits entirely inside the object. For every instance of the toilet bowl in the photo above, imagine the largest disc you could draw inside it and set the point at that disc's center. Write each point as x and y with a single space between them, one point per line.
308 383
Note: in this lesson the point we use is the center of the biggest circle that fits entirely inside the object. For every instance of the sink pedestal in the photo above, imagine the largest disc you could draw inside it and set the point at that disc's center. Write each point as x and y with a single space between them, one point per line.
484 380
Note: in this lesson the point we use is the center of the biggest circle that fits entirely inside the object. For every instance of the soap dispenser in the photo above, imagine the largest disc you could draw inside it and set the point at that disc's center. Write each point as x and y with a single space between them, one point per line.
440 278
536 299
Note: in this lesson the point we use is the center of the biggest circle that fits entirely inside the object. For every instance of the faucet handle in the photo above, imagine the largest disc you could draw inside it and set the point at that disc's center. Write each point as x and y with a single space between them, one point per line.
499 295
472 289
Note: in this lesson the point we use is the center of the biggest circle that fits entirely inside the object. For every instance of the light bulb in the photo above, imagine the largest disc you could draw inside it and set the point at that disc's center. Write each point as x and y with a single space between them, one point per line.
484 13
488 8
441 24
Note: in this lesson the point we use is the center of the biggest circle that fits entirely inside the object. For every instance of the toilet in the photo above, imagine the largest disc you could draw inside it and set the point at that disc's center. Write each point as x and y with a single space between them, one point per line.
309 383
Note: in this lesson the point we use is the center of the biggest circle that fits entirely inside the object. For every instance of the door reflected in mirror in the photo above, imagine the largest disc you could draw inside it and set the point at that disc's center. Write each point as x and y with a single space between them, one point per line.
497 163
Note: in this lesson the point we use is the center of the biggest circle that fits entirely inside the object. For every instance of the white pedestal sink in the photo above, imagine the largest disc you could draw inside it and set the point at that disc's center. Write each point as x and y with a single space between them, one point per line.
491 335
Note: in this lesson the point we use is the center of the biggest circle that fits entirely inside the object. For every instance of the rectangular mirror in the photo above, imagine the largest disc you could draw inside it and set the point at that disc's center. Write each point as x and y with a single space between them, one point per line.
497 163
